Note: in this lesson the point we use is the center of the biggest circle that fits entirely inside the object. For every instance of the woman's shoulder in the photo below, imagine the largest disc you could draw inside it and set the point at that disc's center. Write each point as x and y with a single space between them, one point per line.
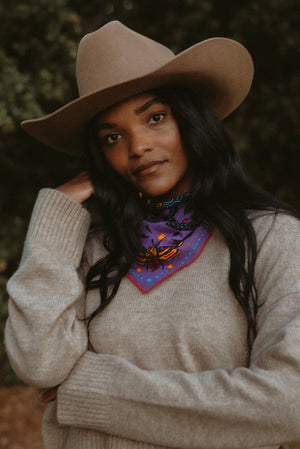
280 228
277 266
267 220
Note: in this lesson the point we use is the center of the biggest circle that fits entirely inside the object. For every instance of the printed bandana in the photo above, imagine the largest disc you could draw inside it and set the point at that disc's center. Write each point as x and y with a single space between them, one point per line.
172 239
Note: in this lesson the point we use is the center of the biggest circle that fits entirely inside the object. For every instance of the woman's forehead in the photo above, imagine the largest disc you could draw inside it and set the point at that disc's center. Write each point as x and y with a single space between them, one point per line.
138 103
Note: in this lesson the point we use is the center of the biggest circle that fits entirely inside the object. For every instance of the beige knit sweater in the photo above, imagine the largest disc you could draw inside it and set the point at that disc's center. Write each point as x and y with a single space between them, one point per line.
171 366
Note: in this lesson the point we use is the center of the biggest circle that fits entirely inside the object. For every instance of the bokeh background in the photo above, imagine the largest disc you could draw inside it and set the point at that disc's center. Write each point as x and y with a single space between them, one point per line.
38 43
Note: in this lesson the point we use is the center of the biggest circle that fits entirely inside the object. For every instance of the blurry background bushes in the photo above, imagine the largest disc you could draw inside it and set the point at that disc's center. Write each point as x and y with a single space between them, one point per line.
38 42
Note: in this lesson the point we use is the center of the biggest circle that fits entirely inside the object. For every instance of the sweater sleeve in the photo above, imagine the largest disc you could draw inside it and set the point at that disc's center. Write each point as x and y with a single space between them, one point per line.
44 337
246 407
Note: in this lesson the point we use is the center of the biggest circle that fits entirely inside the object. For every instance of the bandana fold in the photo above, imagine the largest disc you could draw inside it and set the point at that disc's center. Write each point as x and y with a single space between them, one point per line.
172 238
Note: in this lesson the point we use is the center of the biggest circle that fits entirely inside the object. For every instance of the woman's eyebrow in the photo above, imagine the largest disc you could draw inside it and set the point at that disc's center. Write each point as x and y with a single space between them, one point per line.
137 111
100 126
147 105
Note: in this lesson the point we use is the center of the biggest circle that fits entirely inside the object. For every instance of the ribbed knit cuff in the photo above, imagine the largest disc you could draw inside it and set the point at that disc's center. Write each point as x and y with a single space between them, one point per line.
84 398
60 223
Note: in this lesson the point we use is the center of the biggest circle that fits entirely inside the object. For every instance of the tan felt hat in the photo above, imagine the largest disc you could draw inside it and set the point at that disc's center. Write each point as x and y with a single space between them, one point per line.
115 62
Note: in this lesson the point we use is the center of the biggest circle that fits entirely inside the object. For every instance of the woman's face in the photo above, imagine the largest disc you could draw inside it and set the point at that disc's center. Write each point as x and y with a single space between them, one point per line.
141 142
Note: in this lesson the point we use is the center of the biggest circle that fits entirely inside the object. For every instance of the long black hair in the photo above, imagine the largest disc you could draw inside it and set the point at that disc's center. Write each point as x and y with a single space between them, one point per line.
221 197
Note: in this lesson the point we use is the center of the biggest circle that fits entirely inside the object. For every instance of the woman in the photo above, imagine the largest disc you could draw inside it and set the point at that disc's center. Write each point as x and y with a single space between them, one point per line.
176 324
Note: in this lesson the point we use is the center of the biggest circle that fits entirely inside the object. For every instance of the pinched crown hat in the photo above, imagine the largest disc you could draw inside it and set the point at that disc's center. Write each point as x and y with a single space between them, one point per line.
115 62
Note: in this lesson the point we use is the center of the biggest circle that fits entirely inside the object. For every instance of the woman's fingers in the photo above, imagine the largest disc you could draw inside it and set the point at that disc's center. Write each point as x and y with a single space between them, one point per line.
79 188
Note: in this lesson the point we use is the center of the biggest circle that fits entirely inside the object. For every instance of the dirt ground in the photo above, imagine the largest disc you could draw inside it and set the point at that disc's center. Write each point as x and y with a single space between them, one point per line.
20 418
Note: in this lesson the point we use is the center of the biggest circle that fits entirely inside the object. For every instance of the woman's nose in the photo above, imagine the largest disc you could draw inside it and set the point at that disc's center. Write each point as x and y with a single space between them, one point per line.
139 144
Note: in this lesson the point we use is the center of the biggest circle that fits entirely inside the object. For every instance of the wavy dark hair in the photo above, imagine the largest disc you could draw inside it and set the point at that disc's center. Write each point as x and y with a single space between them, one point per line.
221 197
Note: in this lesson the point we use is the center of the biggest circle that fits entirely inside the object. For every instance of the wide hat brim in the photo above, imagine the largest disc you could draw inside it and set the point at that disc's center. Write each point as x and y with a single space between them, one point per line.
221 69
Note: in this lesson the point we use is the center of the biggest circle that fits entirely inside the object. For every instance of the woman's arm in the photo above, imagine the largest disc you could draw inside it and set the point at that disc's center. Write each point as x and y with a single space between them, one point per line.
44 337
245 407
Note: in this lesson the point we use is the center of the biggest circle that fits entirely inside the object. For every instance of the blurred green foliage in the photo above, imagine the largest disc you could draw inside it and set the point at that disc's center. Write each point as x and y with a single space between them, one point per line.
39 41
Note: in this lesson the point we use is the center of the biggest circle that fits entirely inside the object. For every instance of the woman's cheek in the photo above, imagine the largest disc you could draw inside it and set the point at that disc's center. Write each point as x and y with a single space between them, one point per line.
117 162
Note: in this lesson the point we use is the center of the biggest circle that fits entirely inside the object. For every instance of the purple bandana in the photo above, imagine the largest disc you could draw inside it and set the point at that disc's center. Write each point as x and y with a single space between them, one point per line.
172 239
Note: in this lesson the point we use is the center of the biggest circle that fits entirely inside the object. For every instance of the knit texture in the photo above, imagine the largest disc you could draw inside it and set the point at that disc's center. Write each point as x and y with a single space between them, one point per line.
171 367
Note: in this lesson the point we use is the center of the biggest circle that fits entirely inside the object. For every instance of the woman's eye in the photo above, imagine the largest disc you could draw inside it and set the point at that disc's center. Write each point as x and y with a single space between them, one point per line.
111 138
155 118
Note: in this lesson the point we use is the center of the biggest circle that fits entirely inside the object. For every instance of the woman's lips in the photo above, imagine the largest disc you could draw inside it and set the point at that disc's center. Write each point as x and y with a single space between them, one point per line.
148 168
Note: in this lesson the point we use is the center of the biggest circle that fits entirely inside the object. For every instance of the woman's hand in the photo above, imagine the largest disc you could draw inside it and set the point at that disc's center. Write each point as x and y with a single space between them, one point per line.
79 188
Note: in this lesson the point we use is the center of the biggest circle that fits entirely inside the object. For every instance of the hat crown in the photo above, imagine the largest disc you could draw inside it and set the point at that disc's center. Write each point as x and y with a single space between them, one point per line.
115 54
